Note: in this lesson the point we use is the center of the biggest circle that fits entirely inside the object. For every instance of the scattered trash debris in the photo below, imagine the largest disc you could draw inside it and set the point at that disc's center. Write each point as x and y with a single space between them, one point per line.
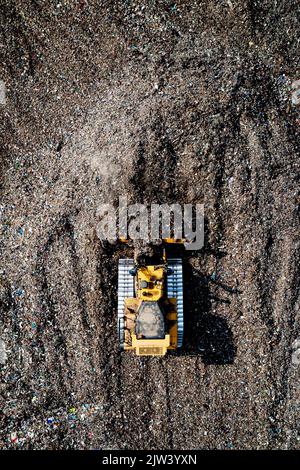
72 410
72 415
14 437
221 60
13 377
3 354
53 423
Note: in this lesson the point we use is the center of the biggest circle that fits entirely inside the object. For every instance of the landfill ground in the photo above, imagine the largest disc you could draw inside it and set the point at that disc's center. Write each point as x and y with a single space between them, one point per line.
187 102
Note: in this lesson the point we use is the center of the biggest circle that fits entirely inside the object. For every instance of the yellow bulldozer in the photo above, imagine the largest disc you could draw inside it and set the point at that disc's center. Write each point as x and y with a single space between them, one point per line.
150 305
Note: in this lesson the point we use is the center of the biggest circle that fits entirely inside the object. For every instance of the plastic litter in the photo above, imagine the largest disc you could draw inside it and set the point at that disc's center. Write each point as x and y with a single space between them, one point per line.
3 354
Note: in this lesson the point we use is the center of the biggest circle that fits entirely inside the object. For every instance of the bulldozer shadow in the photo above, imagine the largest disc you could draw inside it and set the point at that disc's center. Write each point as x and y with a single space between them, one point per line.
206 334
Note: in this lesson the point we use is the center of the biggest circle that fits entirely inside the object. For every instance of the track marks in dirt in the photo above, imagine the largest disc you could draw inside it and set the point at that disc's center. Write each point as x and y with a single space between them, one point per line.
64 320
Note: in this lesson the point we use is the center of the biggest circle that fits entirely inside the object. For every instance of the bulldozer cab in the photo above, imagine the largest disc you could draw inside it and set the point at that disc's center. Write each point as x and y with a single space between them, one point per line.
150 306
